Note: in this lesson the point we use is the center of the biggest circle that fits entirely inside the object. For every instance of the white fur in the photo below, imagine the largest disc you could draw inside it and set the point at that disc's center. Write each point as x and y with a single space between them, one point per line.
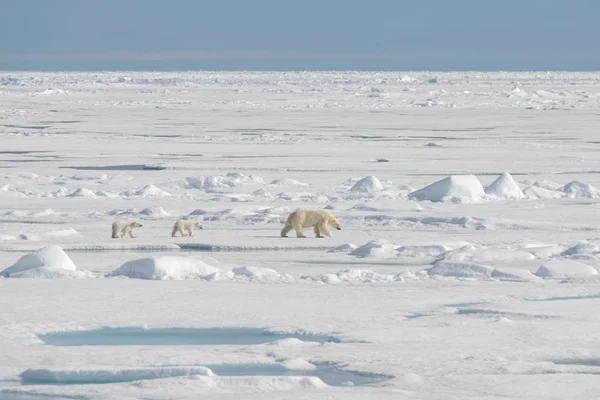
121 228
184 225
303 218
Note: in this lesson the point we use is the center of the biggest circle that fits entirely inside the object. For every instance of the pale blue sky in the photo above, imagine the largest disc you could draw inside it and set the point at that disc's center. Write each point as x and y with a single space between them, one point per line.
299 35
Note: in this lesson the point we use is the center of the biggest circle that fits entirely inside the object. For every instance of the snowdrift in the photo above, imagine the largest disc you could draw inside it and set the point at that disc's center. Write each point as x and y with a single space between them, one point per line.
563 268
167 268
367 184
455 189
47 262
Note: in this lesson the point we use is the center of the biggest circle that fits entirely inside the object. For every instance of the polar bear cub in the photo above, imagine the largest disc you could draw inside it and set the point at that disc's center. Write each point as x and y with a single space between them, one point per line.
305 218
187 226
121 228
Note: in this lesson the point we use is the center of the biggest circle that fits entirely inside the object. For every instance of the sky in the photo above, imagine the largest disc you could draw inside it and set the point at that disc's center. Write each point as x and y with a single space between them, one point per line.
390 35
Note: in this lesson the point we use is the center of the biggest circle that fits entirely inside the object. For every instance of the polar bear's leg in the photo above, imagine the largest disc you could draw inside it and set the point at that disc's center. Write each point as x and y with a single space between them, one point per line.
189 231
286 229
324 229
115 232
317 232
131 232
298 229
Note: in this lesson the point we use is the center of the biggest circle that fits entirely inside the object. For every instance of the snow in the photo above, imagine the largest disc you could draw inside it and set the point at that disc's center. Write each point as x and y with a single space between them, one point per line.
460 270
167 268
298 364
367 184
111 375
51 256
505 187
445 279
376 248
562 268
578 189
456 189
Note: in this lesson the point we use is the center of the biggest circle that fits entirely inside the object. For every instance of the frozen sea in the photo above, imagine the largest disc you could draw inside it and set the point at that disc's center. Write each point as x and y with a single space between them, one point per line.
466 266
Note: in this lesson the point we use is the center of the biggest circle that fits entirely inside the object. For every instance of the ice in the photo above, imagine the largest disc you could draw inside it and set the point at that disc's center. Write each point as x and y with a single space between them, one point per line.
430 281
367 184
287 182
51 256
515 274
258 274
456 189
562 268
82 192
538 192
356 276
379 248
298 364
154 212
149 191
505 187
461 270
343 248
77 376
167 268
578 189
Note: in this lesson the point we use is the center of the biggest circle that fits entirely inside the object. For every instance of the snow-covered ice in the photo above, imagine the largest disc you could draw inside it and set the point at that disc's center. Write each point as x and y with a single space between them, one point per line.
466 267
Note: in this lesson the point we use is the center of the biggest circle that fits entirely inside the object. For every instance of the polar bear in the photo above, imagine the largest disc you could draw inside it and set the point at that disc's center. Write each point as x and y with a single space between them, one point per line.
184 225
303 218
121 228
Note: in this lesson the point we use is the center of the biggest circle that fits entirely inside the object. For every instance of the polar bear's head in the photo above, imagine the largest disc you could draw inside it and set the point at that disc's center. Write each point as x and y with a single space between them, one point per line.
135 225
335 224
198 225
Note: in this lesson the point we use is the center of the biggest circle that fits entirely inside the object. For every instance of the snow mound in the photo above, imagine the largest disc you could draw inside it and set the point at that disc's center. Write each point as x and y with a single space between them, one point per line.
213 182
262 192
154 212
238 178
258 274
343 248
455 188
583 249
82 192
287 182
505 187
578 189
106 193
52 257
515 274
151 191
563 268
379 248
356 275
167 268
75 376
298 364
367 184
460 270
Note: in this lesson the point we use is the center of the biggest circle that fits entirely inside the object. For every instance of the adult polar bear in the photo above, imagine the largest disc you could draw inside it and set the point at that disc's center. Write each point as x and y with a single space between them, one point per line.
183 226
306 218
121 228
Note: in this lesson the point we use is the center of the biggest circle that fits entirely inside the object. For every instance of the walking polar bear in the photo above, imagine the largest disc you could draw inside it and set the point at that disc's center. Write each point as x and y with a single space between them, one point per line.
121 228
187 226
303 218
